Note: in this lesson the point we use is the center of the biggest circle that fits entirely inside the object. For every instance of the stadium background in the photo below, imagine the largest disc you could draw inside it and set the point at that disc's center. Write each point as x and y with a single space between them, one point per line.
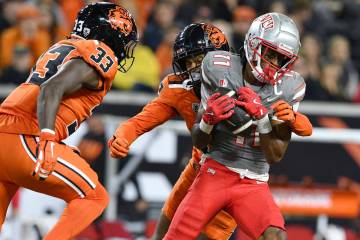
317 185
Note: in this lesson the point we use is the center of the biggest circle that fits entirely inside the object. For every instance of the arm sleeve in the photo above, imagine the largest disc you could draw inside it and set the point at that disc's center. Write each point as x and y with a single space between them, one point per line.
153 114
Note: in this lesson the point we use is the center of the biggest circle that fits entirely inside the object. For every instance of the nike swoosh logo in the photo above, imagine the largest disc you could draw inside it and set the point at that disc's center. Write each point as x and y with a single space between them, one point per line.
272 99
256 101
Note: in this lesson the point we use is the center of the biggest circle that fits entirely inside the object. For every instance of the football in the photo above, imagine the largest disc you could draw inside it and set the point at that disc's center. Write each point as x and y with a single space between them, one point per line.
240 120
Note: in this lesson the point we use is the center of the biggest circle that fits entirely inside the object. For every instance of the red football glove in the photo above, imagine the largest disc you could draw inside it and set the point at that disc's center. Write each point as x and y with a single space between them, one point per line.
251 102
218 108
46 155
119 147
283 111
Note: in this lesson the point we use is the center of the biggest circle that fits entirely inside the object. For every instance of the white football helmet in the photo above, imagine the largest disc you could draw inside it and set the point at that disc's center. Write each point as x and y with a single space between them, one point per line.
269 34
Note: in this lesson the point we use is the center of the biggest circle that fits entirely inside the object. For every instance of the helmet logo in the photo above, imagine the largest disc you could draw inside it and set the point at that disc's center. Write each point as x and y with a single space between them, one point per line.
120 19
86 31
267 22
216 36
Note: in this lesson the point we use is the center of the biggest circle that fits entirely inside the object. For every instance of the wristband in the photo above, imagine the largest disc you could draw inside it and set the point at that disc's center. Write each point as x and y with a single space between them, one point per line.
48 130
264 125
206 128
47 134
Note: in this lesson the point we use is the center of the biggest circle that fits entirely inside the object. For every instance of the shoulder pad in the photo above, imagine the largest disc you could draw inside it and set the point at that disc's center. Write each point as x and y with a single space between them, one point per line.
176 79
174 82
220 69
99 56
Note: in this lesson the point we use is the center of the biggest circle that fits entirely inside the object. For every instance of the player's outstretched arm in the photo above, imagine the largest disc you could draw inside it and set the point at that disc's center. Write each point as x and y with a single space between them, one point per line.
153 114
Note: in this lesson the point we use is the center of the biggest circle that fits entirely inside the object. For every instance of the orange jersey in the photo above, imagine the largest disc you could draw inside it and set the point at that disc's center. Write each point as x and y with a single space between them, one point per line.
18 111
173 99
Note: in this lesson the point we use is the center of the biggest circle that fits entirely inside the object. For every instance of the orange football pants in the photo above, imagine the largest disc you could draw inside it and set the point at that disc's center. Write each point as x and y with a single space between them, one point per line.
220 227
73 181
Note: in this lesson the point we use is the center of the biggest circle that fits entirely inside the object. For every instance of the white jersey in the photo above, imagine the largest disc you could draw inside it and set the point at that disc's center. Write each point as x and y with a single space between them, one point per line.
243 153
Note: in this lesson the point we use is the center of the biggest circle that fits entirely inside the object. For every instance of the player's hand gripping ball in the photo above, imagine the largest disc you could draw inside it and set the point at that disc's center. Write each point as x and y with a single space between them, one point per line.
219 107
240 120
250 101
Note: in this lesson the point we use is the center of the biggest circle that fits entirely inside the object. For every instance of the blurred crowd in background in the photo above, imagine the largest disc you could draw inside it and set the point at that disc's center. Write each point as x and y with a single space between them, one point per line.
329 58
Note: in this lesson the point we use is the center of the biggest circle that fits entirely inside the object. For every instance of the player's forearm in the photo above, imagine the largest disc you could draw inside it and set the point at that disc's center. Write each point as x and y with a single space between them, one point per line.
129 131
273 149
275 143
47 106
200 138
154 114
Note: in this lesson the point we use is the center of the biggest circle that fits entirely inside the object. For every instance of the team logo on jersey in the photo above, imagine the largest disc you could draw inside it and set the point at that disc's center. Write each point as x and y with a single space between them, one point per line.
267 22
272 99
120 19
216 36
223 83
211 171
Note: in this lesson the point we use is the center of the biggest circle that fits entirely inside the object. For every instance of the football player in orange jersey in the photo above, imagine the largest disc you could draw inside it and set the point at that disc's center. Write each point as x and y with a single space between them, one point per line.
179 93
65 85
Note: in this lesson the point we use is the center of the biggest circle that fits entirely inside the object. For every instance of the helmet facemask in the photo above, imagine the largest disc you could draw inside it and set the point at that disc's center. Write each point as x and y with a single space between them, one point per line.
193 66
128 60
189 65
270 62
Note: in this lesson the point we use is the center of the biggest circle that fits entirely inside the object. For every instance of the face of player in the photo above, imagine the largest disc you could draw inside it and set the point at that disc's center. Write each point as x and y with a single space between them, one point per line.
273 63
192 64
273 58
